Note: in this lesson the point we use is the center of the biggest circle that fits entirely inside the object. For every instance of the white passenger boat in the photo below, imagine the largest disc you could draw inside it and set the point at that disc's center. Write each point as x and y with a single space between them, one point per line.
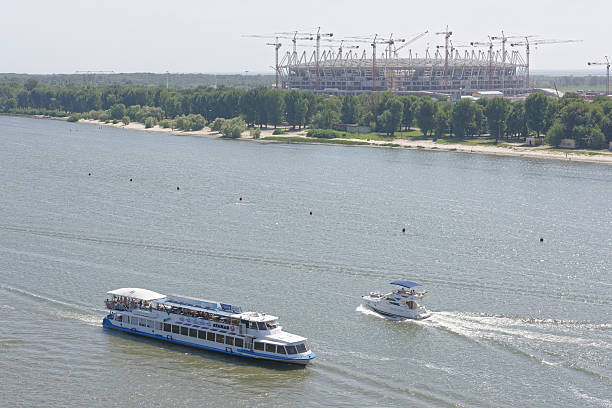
401 303
204 324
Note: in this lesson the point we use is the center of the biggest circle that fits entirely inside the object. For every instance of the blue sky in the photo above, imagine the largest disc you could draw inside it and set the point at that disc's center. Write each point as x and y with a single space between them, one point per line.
205 36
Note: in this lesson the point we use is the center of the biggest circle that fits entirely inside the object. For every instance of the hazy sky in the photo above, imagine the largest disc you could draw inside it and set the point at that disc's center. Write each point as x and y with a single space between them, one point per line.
205 36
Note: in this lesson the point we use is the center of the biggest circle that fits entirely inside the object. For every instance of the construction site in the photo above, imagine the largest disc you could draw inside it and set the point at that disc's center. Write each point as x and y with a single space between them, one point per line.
320 62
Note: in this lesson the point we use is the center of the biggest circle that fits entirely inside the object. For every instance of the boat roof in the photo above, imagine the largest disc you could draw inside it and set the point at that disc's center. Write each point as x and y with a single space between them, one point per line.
137 293
405 283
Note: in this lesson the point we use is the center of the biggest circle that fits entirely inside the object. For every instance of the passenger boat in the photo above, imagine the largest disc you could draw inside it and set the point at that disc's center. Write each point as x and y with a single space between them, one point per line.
401 303
204 324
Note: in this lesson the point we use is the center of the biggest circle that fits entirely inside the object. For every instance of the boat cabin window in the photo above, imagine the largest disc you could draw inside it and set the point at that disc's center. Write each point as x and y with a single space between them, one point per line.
261 326
253 325
210 336
235 322
220 338
259 346
167 327
291 350
184 331
281 350
229 340
270 348
202 334
176 329
301 348
193 333
271 325
238 342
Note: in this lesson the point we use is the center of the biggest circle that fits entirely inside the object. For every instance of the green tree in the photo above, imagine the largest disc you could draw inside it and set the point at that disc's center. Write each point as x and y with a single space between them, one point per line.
425 115
442 118
126 120
326 119
117 111
536 109
234 127
350 109
30 84
411 104
462 118
396 108
497 111
555 134
517 122
384 122
275 104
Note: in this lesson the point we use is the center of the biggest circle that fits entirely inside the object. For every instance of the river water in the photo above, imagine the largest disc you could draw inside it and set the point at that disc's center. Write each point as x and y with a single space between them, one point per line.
516 321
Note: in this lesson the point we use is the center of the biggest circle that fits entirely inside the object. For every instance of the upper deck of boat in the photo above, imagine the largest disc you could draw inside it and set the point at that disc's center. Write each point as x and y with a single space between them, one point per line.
192 303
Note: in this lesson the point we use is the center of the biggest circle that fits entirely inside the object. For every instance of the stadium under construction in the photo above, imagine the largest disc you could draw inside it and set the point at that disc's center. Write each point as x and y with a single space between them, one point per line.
350 74
339 66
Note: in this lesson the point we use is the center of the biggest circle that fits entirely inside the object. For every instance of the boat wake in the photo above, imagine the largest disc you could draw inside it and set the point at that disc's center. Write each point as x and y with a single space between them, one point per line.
58 308
547 341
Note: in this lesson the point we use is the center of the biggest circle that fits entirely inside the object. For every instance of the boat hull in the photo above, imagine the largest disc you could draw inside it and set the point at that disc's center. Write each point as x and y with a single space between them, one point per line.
394 313
227 350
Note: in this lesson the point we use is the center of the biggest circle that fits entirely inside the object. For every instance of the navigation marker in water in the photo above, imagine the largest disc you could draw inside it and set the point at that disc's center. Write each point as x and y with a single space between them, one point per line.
131 180
240 199
311 213
541 239
403 229
177 188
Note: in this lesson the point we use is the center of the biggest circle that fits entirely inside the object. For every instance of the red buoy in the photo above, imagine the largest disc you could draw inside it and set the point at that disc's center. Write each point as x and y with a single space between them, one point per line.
403 229
311 213
177 188
240 198
541 239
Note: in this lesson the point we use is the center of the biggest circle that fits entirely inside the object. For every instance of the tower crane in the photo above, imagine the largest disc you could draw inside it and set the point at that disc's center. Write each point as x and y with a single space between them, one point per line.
490 45
315 36
504 38
527 44
277 46
341 46
607 64
408 42
374 42
447 34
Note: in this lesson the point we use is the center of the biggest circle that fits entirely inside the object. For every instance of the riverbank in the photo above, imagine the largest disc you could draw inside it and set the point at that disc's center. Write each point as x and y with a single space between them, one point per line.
501 149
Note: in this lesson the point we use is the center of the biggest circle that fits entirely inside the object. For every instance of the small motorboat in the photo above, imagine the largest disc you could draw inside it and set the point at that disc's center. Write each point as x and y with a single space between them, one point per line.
401 303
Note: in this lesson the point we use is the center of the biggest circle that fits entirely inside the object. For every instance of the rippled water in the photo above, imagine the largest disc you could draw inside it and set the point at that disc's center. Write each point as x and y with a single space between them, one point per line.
515 322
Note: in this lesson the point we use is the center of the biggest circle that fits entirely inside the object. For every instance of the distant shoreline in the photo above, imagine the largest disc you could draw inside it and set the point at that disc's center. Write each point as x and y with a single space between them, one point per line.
505 149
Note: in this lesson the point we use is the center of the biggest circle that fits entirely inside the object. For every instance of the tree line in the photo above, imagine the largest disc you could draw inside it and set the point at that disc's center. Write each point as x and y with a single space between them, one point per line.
588 123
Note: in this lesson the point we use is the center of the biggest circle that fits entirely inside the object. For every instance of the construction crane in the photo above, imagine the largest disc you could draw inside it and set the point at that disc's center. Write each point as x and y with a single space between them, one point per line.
374 42
527 44
341 46
490 45
315 36
447 34
408 42
504 38
607 64
276 44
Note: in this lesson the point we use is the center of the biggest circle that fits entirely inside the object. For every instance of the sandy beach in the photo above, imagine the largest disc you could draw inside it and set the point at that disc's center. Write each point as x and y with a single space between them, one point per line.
505 149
